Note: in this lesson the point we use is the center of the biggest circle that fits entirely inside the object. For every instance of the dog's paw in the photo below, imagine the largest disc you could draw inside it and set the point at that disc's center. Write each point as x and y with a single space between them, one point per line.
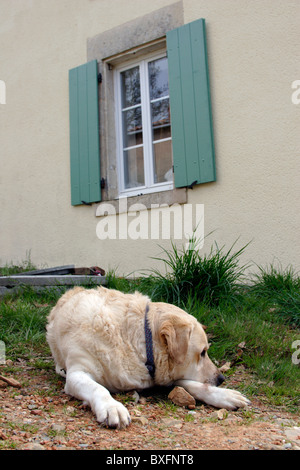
112 414
231 399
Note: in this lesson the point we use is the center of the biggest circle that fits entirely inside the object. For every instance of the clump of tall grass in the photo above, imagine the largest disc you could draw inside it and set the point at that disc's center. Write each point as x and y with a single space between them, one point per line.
22 322
281 288
11 268
211 278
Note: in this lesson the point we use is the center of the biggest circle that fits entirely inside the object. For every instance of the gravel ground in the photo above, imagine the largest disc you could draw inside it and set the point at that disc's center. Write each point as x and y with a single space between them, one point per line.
40 416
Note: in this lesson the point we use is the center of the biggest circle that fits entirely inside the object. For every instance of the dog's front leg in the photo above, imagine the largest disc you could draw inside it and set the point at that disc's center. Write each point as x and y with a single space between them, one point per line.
81 385
218 397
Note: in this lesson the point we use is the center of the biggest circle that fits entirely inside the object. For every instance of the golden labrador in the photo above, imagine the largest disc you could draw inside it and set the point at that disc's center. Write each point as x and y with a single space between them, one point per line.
105 341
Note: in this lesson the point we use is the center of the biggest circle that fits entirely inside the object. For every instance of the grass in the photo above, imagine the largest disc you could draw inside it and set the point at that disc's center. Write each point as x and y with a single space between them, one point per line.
11 268
251 324
281 287
213 277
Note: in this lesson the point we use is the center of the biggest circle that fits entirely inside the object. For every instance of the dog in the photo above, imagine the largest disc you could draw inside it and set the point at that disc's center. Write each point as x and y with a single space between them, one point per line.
104 341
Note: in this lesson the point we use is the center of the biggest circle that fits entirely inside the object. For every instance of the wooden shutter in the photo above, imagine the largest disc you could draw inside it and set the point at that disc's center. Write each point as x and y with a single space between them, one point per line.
192 132
84 134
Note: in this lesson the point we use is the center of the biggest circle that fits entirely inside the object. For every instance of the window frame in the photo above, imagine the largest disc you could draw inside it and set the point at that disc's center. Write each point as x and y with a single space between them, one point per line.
150 186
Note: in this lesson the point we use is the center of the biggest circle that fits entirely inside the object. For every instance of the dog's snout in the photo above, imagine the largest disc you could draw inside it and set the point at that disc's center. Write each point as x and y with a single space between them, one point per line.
220 379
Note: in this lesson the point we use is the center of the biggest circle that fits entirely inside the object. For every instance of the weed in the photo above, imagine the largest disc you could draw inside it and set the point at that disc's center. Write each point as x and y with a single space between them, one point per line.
11 268
189 418
281 288
211 278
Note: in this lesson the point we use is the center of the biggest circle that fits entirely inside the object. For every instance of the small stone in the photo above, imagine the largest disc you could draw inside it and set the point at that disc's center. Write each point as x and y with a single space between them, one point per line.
170 422
70 410
58 427
135 397
181 397
288 445
32 407
140 420
225 367
220 414
293 434
32 446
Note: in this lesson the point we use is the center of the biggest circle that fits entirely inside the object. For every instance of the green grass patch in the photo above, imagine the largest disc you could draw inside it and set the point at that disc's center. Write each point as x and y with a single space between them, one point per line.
252 323
281 289
213 278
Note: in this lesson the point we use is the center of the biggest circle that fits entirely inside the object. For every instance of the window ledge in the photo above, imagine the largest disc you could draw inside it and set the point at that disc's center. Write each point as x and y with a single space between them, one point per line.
146 201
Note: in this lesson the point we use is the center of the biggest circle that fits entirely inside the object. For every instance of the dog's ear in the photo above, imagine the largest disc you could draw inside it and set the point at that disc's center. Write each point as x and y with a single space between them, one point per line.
176 334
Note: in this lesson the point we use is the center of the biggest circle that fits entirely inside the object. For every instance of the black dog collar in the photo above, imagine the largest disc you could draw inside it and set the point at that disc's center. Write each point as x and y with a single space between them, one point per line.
149 346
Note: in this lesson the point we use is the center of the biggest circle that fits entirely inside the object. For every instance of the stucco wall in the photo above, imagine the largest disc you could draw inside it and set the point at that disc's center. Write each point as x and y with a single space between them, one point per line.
253 49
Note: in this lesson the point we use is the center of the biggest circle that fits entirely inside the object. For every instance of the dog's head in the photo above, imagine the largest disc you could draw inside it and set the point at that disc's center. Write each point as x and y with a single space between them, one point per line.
185 341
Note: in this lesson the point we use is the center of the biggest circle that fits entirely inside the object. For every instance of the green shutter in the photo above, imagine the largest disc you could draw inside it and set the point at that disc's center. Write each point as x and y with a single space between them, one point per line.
192 132
84 134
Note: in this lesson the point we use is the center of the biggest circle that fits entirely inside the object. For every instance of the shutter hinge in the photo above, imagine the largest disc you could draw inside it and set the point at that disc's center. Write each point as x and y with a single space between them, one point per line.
99 77
102 183
192 184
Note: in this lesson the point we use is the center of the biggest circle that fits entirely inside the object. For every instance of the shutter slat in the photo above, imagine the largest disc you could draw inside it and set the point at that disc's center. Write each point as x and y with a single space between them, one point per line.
74 137
93 132
202 98
192 136
84 134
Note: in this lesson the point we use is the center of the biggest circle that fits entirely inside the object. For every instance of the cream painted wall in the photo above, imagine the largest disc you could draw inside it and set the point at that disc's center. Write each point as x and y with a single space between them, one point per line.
253 57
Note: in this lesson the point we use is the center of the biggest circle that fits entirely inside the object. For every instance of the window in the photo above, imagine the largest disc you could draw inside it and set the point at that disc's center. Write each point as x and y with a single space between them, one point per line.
143 126
121 120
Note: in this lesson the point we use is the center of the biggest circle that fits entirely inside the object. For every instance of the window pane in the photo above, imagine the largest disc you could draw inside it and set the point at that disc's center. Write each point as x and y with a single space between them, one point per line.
158 78
160 117
163 161
130 87
132 127
134 167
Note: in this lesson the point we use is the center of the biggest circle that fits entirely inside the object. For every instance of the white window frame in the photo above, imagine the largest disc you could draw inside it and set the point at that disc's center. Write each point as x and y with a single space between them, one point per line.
150 186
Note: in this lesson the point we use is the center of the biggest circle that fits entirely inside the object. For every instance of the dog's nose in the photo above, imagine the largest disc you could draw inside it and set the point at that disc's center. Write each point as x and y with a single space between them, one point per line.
220 379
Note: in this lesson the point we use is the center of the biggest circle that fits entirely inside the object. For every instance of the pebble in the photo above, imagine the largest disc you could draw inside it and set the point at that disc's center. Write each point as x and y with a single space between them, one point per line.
32 407
58 427
287 446
32 446
140 420
220 414
293 434
181 397
135 397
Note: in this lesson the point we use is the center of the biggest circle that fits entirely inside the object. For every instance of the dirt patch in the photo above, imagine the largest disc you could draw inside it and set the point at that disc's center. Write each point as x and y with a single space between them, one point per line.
39 415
